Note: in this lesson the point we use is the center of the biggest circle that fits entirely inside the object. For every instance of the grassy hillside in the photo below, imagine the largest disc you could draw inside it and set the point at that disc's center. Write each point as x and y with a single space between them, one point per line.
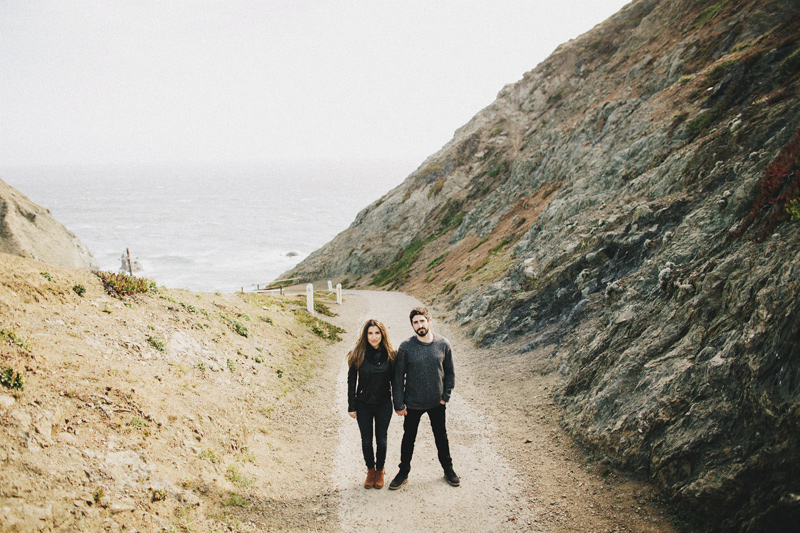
129 406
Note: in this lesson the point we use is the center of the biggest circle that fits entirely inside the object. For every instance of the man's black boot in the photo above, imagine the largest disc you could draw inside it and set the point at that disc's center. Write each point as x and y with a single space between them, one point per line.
452 477
399 480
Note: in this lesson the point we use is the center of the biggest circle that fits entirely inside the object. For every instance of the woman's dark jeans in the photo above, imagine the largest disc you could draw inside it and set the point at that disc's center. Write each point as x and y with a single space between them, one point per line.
382 415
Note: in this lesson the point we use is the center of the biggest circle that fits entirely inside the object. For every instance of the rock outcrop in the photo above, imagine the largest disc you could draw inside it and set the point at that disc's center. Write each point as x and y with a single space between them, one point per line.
29 230
627 215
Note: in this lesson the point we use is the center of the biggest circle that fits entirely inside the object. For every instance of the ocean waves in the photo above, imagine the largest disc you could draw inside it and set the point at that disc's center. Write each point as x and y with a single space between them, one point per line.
205 228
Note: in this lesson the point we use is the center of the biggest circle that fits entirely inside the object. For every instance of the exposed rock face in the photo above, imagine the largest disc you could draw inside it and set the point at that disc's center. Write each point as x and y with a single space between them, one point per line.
29 230
624 214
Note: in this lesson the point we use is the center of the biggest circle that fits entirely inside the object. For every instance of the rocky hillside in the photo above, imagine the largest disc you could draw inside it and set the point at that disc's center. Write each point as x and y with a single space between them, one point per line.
626 214
29 230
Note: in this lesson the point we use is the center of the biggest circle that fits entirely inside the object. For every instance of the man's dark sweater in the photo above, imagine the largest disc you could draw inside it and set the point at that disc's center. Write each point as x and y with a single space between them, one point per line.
423 373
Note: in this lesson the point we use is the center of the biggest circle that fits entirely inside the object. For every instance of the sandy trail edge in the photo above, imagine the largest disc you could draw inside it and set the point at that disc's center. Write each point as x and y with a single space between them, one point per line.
519 471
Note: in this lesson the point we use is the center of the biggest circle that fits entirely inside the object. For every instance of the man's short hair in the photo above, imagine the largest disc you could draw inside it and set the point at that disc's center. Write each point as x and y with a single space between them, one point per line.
421 310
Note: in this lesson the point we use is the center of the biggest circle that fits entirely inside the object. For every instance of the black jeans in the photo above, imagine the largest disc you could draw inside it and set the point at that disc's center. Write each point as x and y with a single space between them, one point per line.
382 415
410 426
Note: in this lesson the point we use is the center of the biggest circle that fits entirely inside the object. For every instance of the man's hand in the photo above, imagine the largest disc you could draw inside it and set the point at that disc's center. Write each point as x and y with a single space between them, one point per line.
442 402
404 412
352 414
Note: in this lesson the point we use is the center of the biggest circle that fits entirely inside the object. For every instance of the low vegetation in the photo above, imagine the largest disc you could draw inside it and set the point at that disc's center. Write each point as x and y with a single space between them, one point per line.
779 197
121 285
320 328
123 372
11 378
397 272
11 337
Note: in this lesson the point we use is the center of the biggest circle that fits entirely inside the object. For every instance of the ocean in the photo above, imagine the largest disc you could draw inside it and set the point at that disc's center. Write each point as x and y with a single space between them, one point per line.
207 228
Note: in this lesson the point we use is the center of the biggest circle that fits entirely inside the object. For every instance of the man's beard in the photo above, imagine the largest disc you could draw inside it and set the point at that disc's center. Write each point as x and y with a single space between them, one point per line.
422 332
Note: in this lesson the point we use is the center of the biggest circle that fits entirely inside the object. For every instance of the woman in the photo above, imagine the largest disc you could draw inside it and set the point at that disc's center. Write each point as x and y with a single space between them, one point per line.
369 395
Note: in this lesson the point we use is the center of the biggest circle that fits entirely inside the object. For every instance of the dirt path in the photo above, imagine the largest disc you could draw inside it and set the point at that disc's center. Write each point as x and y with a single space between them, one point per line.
519 471
484 502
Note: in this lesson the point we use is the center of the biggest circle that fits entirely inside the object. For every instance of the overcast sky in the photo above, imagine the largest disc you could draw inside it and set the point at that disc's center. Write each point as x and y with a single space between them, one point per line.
135 81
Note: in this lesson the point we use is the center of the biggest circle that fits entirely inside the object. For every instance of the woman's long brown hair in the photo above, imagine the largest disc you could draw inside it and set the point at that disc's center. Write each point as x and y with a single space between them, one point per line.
356 356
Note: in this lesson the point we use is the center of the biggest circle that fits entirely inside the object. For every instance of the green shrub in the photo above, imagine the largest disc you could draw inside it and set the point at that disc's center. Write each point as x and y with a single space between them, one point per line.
436 262
699 125
12 379
478 267
477 244
707 14
241 329
137 423
235 500
10 336
46 275
121 285
793 209
502 244
237 477
156 342
323 309
234 324
320 328
398 270
208 454
741 46
79 289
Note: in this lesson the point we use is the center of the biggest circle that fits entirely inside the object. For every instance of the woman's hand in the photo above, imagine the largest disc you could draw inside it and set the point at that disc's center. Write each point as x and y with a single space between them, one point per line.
352 414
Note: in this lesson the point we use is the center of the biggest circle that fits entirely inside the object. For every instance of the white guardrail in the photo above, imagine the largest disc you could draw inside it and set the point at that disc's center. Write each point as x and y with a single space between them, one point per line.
279 284
310 295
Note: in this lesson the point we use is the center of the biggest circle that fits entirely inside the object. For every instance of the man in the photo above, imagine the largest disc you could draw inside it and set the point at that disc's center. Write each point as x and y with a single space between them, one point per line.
423 381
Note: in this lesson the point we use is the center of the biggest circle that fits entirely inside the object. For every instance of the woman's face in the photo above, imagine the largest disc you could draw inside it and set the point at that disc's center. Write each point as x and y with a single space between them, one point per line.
374 336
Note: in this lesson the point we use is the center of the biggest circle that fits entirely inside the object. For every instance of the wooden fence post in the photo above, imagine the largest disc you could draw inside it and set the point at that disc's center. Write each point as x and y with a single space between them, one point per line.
339 293
310 298
330 286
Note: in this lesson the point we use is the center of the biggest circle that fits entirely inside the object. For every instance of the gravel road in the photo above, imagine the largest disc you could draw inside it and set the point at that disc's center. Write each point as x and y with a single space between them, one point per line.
485 501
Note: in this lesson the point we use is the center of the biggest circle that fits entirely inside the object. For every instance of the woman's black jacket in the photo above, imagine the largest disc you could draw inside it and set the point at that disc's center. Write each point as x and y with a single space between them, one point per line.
372 382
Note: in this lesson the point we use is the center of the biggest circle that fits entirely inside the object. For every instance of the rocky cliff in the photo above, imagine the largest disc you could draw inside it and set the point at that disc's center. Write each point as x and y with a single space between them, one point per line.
626 214
29 230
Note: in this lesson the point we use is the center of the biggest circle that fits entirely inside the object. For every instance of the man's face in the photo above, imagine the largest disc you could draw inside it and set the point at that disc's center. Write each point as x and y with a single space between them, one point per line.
420 325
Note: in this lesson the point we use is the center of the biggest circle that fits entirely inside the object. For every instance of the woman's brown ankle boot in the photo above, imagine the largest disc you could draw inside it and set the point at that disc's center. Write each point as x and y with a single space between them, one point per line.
379 478
370 482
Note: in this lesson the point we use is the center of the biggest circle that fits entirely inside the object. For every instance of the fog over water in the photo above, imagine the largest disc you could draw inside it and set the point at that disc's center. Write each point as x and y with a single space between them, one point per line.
205 227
